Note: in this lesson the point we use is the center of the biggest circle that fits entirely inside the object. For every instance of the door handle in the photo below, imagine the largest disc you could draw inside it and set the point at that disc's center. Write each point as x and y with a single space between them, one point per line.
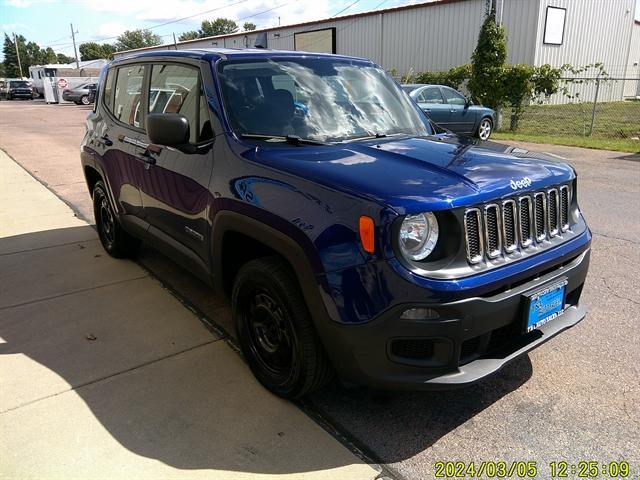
147 157
106 140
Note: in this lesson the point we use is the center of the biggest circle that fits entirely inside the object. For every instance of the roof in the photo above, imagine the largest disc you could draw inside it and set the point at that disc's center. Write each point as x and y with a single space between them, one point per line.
216 53
428 3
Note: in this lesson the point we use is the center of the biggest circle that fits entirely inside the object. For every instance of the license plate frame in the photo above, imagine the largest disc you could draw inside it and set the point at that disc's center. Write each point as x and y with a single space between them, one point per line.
544 304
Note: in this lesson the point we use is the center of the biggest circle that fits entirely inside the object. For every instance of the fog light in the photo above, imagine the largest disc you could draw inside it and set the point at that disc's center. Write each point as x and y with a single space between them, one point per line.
420 313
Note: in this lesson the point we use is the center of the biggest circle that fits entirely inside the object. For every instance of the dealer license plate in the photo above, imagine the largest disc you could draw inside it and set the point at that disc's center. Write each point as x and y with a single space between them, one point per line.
545 305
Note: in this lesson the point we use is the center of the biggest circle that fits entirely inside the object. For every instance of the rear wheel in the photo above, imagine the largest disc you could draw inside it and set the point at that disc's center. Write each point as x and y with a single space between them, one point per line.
275 330
484 129
114 239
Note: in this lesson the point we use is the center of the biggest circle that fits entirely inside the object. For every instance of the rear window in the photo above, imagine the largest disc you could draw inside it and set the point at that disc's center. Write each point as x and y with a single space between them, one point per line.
128 90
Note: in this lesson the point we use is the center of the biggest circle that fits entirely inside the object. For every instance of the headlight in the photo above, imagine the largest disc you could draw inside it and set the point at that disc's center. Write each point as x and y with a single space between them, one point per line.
418 235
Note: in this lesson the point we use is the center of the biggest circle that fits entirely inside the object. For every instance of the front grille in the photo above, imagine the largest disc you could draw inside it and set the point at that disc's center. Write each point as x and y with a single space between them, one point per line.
474 237
539 215
526 222
564 208
495 230
553 207
509 235
492 230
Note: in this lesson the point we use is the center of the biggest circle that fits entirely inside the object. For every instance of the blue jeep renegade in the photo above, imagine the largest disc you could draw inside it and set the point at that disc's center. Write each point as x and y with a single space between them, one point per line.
350 236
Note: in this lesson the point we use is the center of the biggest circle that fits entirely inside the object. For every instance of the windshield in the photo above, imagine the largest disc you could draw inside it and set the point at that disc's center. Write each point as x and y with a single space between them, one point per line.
19 84
322 99
409 88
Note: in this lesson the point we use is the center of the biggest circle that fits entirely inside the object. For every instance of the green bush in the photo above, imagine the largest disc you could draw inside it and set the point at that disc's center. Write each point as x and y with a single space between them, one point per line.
453 77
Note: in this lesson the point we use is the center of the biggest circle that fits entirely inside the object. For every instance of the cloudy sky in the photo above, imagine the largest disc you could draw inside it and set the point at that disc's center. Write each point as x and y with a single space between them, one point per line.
47 21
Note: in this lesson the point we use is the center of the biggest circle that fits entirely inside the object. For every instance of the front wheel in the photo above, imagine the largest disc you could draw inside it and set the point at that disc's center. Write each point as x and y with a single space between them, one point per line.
84 100
114 239
484 129
275 330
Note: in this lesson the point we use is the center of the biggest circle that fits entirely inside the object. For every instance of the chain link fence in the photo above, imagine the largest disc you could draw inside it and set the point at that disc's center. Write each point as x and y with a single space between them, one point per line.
599 107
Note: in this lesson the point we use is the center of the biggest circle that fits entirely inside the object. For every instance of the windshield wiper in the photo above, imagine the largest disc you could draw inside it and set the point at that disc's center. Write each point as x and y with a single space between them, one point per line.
290 139
377 135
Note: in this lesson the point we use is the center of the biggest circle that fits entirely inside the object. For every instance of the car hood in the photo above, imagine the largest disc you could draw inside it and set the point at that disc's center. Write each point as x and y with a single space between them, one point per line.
412 174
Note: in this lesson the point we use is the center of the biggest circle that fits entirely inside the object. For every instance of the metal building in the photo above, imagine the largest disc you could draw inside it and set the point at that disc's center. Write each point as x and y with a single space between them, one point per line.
441 34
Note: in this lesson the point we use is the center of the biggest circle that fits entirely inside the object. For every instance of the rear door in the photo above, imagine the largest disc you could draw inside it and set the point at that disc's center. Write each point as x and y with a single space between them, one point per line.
462 118
117 136
432 103
174 190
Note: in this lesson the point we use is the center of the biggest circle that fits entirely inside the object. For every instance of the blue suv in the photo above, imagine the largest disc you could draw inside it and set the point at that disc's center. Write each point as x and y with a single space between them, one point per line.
350 237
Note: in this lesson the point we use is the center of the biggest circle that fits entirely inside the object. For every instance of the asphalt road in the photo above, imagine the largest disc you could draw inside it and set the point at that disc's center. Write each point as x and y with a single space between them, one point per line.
576 398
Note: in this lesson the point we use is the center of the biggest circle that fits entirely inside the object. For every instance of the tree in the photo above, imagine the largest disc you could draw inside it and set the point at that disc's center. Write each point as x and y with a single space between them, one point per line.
190 35
10 57
49 56
94 51
219 26
140 38
62 58
488 64
248 26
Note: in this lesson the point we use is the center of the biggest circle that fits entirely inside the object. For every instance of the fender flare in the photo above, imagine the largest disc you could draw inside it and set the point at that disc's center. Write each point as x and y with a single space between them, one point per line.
309 278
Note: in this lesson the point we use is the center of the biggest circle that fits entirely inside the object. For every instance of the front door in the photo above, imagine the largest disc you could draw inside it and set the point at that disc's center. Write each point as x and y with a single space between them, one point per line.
431 102
462 118
175 187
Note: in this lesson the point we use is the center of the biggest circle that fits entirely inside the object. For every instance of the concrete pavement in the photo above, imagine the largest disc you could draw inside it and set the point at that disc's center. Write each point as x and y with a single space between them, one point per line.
105 374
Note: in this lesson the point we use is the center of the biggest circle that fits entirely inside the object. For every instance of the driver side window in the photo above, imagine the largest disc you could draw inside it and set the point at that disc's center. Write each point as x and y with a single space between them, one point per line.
453 97
430 95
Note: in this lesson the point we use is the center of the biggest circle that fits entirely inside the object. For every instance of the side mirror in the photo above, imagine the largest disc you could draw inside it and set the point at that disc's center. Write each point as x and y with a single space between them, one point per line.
170 129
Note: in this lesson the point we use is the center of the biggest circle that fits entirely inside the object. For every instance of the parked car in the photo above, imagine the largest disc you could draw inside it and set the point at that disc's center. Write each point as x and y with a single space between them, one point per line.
81 95
452 110
349 237
20 89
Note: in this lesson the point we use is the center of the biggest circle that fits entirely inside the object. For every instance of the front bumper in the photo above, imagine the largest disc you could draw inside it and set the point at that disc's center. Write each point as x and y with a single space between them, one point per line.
21 95
472 338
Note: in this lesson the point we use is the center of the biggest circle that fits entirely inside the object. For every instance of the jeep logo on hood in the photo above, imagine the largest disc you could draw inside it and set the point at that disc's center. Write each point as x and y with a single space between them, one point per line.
524 183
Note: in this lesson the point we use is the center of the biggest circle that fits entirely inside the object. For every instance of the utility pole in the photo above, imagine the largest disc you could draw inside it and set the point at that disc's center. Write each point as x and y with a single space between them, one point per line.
175 44
75 50
15 41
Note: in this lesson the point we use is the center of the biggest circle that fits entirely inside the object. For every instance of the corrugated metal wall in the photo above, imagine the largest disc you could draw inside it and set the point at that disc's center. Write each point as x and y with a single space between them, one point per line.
431 37
632 88
437 37
595 31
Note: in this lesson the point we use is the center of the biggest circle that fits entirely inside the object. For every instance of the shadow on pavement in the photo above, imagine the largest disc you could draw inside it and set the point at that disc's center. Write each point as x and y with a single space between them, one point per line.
388 426
84 337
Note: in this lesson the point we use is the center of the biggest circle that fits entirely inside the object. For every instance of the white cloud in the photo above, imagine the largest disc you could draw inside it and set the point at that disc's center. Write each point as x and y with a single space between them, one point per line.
110 29
19 3
152 11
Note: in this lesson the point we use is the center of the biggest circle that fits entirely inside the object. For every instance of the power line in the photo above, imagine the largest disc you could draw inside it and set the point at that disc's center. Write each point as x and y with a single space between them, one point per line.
205 12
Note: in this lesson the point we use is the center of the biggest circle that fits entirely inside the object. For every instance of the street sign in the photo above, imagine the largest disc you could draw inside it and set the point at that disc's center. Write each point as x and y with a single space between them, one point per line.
62 83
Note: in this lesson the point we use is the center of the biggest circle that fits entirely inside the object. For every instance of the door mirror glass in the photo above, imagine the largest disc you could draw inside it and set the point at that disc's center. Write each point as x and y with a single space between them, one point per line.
170 129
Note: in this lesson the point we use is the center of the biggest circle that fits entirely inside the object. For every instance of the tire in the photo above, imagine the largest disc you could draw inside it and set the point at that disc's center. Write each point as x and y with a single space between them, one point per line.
114 239
84 100
275 330
485 129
